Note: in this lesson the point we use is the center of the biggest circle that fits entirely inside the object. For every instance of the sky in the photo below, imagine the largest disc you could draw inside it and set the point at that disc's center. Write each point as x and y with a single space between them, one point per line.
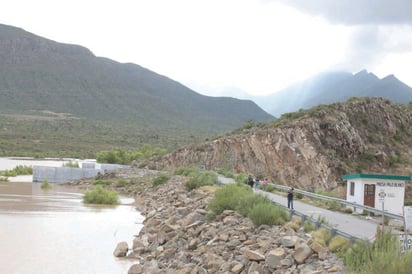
221 47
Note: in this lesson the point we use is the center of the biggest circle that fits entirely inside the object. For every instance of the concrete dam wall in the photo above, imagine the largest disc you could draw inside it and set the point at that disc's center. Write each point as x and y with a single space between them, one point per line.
60 175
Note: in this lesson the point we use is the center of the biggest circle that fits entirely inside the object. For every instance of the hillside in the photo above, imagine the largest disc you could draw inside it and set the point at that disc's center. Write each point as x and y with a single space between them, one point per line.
40 76
331 87
311 149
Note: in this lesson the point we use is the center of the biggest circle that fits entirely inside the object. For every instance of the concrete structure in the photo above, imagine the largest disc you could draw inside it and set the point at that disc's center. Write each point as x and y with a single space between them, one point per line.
61 175
377 191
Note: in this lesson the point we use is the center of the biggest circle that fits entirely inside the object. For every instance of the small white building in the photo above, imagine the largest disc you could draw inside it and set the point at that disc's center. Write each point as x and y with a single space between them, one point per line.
374 189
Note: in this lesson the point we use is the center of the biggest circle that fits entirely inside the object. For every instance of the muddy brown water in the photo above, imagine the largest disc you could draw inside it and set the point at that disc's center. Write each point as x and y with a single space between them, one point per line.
54 232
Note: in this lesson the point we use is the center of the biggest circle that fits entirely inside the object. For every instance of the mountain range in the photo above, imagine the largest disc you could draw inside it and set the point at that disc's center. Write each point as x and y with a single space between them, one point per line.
331 87
41 74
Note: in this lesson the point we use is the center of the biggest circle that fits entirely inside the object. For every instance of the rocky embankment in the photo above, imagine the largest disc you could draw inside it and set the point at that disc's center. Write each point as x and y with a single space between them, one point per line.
177 238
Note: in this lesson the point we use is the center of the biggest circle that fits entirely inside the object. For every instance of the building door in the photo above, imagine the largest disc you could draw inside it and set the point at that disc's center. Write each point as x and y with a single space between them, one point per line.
369 195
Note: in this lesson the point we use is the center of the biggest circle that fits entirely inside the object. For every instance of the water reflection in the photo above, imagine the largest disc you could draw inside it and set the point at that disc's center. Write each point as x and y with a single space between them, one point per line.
53 232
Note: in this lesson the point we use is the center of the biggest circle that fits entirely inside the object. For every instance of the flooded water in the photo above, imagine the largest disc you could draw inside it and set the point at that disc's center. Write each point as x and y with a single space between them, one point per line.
54 232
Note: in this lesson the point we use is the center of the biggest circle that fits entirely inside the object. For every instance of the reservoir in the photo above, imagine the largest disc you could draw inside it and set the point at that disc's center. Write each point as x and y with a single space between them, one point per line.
54 232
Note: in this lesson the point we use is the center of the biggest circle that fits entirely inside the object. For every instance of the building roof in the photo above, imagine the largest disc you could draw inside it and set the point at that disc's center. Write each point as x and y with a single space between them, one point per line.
376 176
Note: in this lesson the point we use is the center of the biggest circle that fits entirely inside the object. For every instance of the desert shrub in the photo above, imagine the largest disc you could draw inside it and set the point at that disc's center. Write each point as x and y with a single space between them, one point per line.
295 224
121 183
45 185
18 170
160 179
201 178
101 182
382 256
298 195
326 193
334 205
347 210
268 214
71 164
270 188
100 195
185 170
321 236
119 156
308 227
241 178
225 172
247 201
240 198
227 197
339 244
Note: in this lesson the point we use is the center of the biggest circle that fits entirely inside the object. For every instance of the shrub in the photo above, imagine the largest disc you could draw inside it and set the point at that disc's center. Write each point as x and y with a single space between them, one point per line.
101 182
339 244
199 179
227 197
347 210
334 205
270 188
308 226
241 178
321 236
268 214
185 170
382 256
299 196
295 224
247 201
4 179
71 164
121 183
160 179
240 197
225 172
100 195
45 185
18 170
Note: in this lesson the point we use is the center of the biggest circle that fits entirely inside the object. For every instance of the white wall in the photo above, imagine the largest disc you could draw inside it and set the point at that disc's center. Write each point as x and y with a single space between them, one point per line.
394 189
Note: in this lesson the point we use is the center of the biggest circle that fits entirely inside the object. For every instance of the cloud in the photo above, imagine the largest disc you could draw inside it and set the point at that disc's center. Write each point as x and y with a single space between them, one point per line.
356 12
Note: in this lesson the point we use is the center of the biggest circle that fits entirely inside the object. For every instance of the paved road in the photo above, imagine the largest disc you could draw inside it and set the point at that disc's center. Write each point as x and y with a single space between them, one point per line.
355 225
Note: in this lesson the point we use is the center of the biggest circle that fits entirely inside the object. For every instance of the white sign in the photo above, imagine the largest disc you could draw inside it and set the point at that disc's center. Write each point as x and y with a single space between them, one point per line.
407 215
406 242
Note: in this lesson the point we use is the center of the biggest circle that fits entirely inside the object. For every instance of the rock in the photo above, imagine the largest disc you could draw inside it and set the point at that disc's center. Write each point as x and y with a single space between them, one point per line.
253 255
135 269
302 252
320 250
274 258
237 268
121 249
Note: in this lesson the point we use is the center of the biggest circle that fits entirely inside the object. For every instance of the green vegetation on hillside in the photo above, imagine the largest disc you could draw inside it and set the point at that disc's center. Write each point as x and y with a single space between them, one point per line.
81 138
119 156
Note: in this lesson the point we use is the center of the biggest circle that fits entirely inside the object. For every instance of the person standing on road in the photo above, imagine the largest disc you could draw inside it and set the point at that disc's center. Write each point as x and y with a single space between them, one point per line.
265 183
290 198
257 183
250 181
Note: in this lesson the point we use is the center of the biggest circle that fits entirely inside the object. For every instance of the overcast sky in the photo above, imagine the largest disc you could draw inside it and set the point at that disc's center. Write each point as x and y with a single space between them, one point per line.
258 46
